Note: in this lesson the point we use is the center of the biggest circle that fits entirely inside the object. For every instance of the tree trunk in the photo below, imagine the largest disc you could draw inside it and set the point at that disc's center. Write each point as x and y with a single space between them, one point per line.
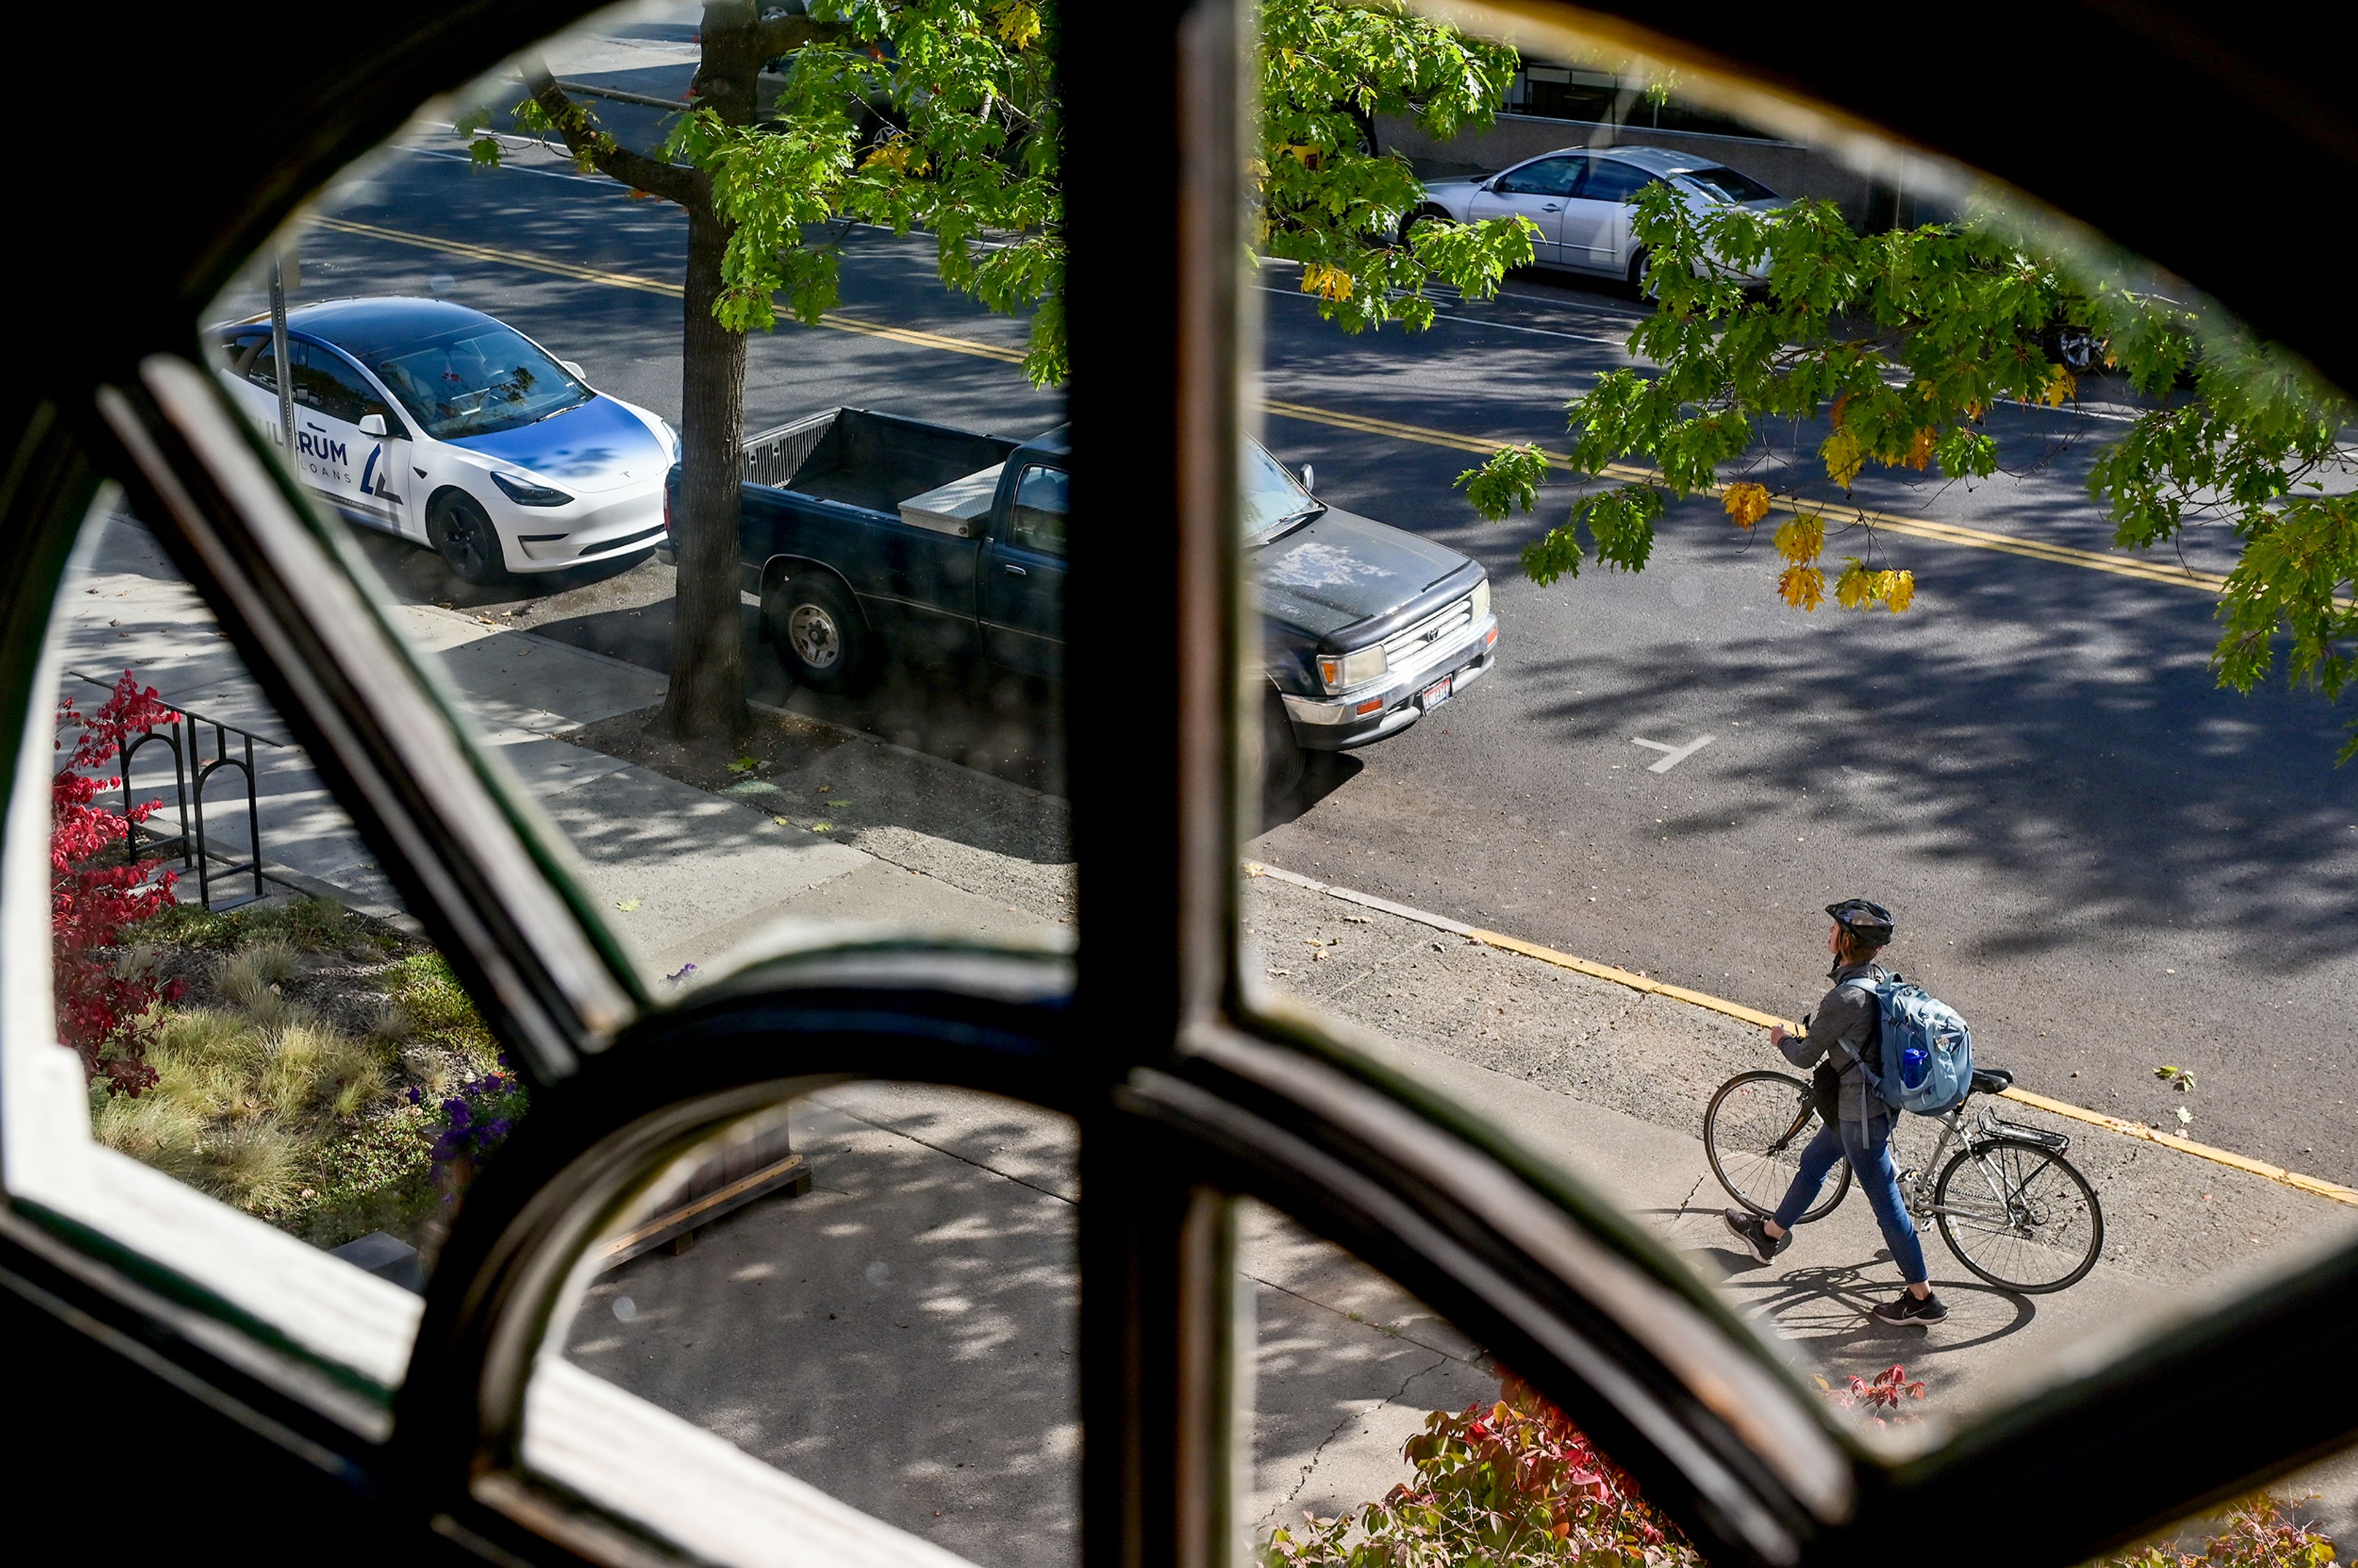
707 700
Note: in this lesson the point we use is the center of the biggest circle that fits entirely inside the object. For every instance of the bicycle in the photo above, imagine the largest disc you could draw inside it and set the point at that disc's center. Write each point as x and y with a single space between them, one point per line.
2012 1208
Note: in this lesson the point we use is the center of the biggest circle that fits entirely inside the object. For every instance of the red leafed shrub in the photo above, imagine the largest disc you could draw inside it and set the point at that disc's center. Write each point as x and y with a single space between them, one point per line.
2258 1534
1872 1397
1514 1482
106 1010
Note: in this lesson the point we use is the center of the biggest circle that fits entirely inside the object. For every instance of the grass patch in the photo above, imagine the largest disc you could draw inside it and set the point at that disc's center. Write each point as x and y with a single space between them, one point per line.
438 1009
304 924
284 1075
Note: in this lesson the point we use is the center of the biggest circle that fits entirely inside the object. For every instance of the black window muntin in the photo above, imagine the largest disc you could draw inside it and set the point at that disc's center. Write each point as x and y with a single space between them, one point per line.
2202 1415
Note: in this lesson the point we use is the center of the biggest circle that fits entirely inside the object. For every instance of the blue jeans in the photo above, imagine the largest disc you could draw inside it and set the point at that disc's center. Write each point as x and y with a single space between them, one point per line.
1868 1149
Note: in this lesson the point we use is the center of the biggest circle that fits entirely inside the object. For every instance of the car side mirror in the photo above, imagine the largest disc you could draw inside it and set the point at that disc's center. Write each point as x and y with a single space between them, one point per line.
575 370
1309 478
373 425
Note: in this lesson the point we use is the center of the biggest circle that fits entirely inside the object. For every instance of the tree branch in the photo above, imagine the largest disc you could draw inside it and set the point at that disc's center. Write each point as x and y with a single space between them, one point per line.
774 35
673 183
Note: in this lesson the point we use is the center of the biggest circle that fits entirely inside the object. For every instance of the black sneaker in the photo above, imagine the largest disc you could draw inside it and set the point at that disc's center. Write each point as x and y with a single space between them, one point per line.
1753 1231
1908 1312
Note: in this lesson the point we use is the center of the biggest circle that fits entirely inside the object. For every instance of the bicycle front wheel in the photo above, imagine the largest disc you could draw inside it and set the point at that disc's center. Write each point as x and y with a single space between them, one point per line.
1754 1131
2018 1214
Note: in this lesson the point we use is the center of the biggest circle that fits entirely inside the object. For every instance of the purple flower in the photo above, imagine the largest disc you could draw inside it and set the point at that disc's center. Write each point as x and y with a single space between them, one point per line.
414 1095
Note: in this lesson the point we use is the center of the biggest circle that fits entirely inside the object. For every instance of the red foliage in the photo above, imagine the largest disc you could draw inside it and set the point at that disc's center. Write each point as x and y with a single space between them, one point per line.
1873 1396
105 1012
1514 1484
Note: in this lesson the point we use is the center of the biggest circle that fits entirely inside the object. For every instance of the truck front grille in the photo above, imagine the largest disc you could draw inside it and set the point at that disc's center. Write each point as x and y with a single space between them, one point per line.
1407 647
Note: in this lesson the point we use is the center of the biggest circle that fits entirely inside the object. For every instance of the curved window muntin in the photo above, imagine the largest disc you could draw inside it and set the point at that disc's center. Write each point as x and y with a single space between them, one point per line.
2298 1293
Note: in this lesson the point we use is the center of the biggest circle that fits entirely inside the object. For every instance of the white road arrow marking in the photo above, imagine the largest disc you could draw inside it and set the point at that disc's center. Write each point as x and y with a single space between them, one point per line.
1672 755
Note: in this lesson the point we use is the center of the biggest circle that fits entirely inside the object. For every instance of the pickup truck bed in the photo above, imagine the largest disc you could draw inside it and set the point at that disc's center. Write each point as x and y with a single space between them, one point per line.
867 459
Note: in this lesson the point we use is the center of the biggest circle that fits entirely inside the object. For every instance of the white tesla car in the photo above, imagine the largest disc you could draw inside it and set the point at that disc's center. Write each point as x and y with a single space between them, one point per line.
453 429
1579 200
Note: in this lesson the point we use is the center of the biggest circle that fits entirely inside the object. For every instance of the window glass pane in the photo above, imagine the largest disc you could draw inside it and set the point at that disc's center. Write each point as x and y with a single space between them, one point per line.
890 1323
1566 839
1728 184
1549 176
262 1048
1038 521
1611 182
845 711
1382 1433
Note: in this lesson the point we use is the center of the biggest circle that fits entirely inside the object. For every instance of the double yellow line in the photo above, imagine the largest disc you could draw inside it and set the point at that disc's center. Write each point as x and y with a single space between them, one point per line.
2140 567
460 248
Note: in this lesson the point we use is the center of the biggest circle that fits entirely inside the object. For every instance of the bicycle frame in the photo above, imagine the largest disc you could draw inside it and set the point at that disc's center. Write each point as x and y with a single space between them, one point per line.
1915 1181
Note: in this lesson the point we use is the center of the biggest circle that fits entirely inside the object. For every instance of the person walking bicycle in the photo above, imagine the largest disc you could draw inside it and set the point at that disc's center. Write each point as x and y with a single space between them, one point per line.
1842 1036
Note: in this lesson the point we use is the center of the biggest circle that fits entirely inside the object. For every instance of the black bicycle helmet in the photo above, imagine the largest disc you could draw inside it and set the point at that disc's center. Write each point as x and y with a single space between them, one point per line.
1864 919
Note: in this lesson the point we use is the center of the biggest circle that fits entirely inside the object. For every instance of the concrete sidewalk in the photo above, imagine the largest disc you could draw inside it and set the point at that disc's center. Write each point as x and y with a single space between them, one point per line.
680 874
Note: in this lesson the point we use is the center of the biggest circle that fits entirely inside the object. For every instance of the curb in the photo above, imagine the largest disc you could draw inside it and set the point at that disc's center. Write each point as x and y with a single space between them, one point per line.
2313 1185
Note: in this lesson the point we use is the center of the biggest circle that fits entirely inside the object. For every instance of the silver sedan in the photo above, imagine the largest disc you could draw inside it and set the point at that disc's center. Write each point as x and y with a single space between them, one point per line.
1579 200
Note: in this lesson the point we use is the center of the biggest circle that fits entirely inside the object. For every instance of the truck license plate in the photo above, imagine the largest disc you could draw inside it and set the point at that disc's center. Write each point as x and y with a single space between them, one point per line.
1436 694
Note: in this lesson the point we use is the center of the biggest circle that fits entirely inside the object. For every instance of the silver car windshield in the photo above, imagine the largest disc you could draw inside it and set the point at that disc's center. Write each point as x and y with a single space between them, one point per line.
1273 498
475 381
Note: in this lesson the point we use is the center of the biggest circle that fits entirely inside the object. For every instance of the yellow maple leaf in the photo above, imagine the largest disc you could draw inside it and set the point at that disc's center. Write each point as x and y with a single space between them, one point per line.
1855 586
1327 282
1903 592
1919 450
1804 587
1746 503
1834 416
1844 457
2060 385
1800 540
1019 24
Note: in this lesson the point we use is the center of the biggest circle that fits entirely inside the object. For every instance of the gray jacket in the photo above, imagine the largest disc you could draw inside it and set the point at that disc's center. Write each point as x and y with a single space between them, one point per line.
1847 1016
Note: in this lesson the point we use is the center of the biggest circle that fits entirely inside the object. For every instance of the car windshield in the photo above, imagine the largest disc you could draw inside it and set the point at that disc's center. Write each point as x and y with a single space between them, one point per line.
1728 184
1273 497
474 380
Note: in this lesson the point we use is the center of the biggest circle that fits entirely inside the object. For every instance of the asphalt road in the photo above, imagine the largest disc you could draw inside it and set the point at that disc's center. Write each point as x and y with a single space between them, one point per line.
2105 861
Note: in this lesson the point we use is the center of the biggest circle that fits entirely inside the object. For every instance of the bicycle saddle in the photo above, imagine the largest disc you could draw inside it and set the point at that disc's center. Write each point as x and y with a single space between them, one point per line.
1991 1080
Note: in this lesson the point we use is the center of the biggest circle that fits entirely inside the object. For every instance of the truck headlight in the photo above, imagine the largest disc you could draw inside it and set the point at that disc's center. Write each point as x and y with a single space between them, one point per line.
1340 672
1481 599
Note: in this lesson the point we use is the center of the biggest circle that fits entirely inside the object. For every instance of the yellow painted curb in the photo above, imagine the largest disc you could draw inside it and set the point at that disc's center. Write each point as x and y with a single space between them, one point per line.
2314 1186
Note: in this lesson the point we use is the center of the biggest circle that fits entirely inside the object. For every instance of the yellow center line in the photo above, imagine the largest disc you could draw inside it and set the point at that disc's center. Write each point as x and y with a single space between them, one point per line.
1556 959
1367 424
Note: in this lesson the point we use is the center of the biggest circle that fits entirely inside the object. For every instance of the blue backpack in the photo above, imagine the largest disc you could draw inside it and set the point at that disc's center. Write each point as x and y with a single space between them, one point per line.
1927 1051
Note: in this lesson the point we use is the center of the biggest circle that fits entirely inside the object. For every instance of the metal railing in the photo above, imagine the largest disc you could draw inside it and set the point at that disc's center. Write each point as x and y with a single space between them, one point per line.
191 773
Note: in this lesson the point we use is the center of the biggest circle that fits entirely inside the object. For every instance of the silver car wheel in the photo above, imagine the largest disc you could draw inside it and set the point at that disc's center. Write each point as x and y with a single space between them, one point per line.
813 635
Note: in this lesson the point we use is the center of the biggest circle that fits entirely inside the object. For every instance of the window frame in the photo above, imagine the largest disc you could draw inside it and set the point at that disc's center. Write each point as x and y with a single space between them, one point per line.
2191 1416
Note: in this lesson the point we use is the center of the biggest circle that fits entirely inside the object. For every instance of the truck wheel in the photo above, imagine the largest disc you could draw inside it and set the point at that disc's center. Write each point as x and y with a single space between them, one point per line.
822 639
461 534
1282 758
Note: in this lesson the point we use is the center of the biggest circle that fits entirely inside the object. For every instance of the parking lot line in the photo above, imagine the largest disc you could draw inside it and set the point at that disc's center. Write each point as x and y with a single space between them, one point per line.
2135 567
2313 1185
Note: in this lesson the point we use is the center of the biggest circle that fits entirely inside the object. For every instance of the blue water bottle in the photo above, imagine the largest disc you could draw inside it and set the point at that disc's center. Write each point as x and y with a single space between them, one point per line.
1915 1062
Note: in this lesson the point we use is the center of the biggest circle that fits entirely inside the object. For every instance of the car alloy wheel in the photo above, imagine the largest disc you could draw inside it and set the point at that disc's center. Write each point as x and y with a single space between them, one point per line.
462 536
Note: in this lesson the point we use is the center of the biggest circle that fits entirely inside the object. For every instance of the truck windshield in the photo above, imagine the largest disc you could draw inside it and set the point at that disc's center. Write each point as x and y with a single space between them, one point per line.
476 380
1273 498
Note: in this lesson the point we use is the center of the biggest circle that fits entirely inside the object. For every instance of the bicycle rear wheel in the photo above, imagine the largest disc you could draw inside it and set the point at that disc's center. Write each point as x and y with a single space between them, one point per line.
1754 1131
2018 1214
